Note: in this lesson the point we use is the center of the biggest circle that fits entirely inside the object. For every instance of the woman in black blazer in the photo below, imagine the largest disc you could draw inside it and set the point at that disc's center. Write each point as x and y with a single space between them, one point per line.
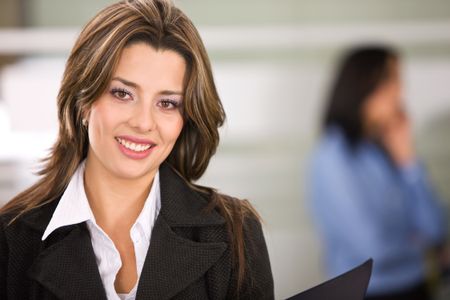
139 117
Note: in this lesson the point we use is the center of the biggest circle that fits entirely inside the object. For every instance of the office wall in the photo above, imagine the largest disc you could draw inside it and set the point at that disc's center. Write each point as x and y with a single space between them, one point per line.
272 61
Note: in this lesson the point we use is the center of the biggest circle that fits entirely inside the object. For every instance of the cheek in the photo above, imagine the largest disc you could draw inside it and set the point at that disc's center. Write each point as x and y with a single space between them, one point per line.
384 104
377 109
102 120
170 128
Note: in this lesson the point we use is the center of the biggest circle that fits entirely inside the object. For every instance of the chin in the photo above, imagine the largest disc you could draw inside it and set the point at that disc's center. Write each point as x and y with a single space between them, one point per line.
132 171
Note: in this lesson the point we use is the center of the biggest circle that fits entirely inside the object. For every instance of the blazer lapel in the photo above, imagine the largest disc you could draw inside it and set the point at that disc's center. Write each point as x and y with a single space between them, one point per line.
174 262
68 268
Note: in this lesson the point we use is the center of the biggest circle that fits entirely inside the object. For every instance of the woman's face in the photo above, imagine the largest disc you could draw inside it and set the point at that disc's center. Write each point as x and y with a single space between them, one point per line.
135 123
384 108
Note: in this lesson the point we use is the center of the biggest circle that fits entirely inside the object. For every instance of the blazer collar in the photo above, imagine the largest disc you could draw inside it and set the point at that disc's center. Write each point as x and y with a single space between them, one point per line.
182 206
67 267
173 262
38 218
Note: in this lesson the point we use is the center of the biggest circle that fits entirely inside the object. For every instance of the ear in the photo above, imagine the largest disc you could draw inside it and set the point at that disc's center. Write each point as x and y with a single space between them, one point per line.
85 118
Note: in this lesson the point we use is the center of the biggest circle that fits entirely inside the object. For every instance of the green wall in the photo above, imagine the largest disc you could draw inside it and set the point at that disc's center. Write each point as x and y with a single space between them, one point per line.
234 12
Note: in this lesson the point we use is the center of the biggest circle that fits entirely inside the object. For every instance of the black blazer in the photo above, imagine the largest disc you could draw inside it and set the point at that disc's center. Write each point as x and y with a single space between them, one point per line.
189 256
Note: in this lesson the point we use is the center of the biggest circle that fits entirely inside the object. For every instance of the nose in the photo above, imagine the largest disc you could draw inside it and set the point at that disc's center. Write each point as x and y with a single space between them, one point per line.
143 118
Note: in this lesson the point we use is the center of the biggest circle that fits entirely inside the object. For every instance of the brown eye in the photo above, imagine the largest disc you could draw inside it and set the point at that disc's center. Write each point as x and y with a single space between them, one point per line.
165 104
168 104
121 94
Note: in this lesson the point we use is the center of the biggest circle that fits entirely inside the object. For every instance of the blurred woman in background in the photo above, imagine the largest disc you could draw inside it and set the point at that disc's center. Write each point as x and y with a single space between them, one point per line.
116 213
370 193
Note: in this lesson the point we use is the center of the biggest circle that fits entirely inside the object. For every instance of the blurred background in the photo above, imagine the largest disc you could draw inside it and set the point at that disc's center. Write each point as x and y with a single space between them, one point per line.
272 62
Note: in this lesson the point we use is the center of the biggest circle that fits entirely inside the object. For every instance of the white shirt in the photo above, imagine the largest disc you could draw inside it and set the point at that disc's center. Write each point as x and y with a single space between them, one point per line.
73 208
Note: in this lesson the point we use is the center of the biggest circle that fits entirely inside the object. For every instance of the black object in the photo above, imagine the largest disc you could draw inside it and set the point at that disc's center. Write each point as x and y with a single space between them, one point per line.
351 285
189 255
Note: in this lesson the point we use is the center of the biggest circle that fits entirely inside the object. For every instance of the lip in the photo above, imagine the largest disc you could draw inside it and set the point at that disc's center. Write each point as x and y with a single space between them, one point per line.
136 140
133 154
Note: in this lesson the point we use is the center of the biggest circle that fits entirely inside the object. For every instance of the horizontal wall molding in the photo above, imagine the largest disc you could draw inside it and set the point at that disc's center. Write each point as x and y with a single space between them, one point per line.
246 38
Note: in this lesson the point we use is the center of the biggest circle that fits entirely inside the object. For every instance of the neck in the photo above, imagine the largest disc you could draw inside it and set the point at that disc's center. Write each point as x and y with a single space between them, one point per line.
115 202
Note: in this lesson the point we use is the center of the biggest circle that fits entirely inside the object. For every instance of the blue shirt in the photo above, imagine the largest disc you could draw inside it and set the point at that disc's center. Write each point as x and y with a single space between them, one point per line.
366 207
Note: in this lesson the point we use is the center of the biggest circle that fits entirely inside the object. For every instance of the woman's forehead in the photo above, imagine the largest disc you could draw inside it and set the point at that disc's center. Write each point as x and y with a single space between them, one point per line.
141 65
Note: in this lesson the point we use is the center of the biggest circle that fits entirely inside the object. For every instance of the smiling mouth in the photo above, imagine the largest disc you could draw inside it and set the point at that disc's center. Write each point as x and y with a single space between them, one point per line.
134 146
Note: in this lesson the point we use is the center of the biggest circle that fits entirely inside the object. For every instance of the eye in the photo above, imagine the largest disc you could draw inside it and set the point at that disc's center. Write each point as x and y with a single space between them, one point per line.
168 104
121 94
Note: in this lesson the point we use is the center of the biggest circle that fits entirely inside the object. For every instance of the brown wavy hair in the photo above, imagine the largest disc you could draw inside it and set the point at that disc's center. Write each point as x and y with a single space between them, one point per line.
89 70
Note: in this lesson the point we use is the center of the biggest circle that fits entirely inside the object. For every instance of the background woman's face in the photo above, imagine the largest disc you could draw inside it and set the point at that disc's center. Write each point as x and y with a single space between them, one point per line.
384 108
134 125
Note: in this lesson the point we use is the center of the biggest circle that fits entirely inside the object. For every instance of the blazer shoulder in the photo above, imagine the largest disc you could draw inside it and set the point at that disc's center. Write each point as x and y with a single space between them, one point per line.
36 219
243 209
258 279
6 218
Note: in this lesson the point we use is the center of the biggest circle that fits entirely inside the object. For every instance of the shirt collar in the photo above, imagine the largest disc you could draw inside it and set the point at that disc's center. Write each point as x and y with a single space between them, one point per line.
150 211
73 207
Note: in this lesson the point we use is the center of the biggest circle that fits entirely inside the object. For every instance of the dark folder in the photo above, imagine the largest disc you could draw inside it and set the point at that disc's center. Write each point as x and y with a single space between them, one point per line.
348 286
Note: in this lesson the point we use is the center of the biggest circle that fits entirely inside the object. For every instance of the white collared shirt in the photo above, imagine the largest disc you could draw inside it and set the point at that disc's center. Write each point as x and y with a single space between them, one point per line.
73 208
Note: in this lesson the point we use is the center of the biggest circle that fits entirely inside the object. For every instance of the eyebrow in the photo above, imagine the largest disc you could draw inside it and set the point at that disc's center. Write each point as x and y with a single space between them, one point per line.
136 86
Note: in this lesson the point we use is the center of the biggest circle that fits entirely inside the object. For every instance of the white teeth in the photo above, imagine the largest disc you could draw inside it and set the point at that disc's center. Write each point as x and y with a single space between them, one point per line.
133 146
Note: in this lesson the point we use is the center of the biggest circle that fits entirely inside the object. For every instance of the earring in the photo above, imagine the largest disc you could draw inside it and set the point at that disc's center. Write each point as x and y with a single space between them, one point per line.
84 122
